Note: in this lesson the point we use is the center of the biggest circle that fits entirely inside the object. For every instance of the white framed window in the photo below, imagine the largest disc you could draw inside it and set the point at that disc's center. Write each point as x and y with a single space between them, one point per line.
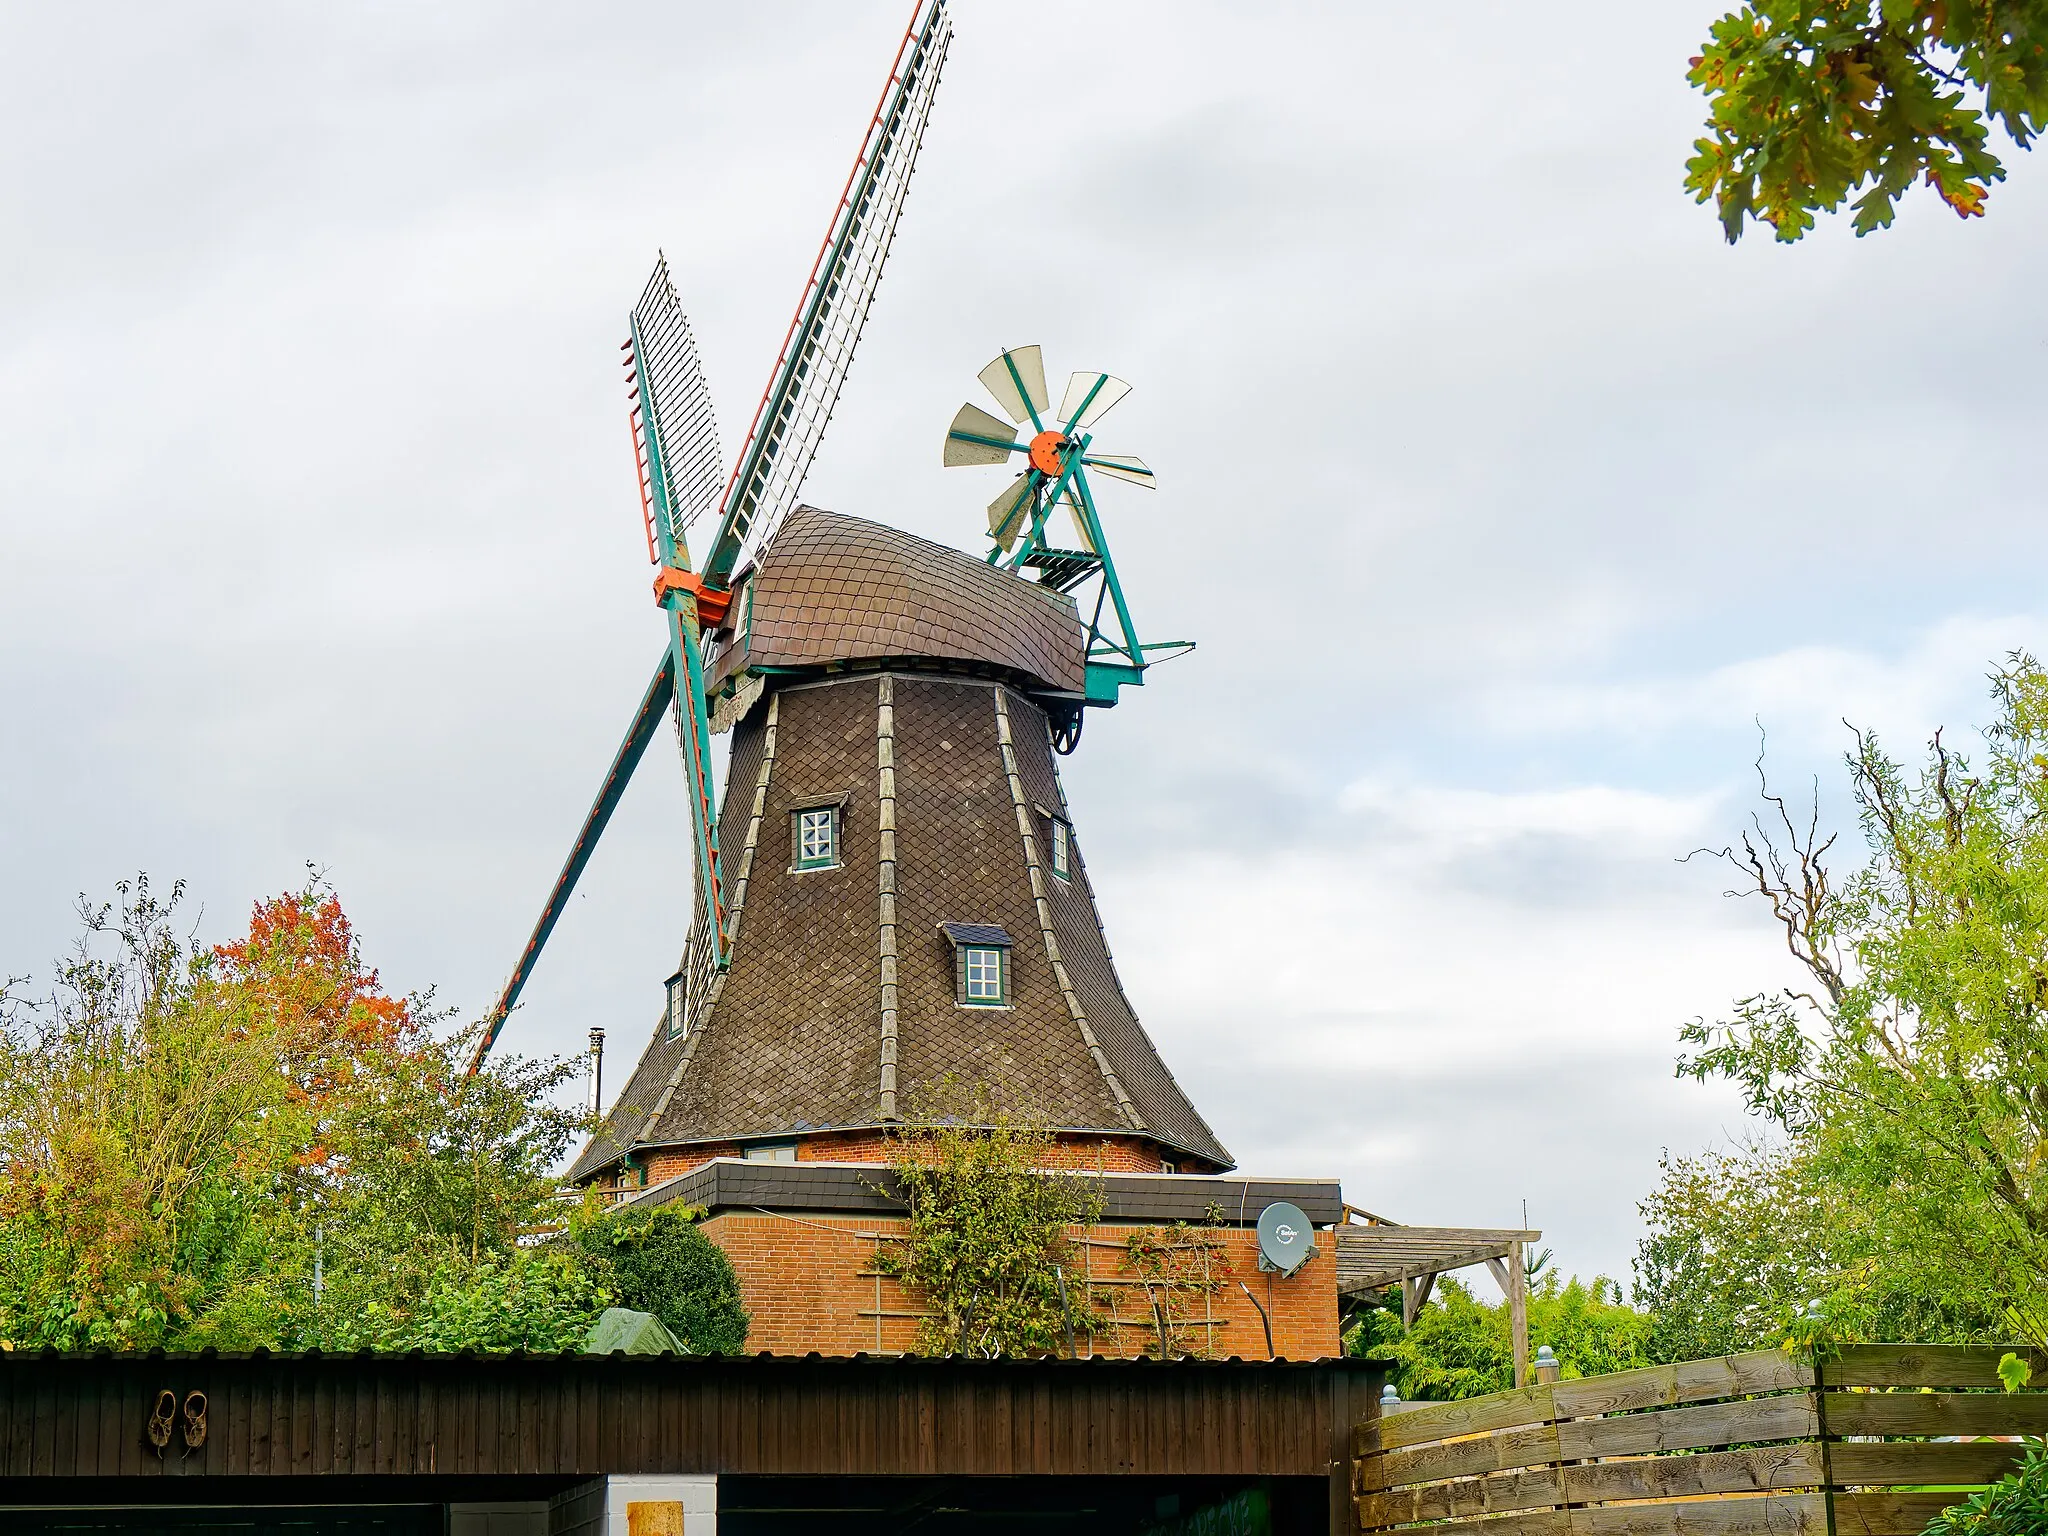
769 1152
984 974
678 1005
1062 847
816 836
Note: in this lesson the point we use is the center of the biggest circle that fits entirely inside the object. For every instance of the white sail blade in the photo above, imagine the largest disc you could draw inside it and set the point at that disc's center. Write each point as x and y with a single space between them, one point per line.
809 373
1121 466
1089 398
971 438
677 422
1029 368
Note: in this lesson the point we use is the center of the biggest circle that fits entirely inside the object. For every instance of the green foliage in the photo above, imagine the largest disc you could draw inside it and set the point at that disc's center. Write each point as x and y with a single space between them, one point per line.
1463 1347
254 1145
659 1261
2015 1505
987 1235
2013 1372
1739 1245
1176 1268
543 1300
1909 1084
1815 101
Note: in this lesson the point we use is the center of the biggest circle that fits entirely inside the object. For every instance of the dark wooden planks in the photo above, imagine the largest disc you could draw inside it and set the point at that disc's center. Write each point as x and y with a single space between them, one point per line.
394 1416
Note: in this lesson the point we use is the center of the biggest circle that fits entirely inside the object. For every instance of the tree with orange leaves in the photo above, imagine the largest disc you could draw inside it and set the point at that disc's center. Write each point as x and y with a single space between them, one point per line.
254 1143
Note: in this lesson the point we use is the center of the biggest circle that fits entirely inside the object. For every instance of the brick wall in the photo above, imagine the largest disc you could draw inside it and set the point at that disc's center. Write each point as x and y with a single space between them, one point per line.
1105 1154
810 1284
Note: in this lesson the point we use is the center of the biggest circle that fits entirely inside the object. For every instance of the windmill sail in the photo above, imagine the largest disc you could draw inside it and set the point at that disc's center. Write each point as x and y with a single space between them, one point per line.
678 428
804 387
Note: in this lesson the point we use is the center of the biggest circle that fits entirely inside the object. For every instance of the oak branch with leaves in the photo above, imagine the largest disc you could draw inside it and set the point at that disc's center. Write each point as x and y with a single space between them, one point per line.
1815 102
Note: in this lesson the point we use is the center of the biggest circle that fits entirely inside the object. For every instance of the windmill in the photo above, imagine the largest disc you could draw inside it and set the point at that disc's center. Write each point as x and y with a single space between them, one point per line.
889 896
1057 458
682 479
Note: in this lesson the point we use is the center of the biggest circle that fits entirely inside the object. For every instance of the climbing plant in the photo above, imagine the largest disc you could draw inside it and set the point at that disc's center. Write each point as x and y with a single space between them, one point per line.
987 1248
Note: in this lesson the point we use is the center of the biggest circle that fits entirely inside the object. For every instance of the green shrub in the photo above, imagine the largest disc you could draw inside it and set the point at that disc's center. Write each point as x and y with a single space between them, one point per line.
541 1300
2015 1505
1462 1347
659 1261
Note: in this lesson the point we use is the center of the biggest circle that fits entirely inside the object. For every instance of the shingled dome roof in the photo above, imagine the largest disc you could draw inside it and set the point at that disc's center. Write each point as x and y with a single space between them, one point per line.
836 589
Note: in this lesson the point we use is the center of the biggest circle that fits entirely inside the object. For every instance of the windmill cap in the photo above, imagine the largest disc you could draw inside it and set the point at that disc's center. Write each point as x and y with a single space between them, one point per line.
831 589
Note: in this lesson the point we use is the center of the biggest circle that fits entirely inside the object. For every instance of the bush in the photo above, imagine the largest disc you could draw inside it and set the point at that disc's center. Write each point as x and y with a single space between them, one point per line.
1462 1347
540 1300
659 1261
2015 1505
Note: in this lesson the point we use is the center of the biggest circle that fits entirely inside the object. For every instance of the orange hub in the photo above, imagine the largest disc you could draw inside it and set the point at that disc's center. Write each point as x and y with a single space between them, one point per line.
1045 454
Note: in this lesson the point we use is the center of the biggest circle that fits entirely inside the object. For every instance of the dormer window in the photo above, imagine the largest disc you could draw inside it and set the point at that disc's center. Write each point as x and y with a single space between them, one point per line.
1062 848
981 964
814 834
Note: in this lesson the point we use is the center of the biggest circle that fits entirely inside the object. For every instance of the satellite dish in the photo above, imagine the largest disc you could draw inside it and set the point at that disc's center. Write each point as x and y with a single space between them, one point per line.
1287 1239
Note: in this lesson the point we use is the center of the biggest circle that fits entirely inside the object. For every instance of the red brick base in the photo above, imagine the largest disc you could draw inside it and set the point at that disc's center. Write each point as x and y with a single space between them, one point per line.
810 1283
1104 1154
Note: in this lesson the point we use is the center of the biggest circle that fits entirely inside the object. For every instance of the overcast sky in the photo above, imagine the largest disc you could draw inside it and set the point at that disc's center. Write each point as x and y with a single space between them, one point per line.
1503 498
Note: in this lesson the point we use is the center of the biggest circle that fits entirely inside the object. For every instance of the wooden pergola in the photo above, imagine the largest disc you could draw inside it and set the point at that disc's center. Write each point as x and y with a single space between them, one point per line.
1374 1254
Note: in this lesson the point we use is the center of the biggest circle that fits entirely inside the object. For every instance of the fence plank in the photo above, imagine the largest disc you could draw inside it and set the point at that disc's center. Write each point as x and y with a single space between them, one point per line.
1937 1413
1467 1497
1778 1514
1888 1514
1790 1417
1503 1451
1925 1365
1528 1522
1763 1469
1447 1421
1691 1381
1868 1464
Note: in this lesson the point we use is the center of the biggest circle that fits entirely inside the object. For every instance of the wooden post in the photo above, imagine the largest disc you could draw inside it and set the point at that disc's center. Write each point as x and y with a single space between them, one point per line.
1518 1311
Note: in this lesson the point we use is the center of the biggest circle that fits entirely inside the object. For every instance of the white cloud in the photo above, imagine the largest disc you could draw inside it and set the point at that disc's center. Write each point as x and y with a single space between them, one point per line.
1801 695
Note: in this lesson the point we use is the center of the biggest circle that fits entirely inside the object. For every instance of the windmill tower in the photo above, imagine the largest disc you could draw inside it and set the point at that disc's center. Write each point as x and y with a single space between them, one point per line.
889 895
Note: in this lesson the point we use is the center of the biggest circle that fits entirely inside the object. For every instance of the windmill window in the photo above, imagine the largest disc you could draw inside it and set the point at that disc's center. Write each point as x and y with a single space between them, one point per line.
984 972
816 835
678 1006
1062 841
981 964
769 1152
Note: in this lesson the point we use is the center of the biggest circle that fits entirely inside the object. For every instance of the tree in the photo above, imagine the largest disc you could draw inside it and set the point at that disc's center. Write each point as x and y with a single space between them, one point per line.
1815 101
1460 1346
1909 1080
986 1243
660 1261
253 1144
1742 1242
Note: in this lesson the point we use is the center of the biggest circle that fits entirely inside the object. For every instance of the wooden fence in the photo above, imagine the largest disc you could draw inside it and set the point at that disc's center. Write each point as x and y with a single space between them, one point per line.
1873 1443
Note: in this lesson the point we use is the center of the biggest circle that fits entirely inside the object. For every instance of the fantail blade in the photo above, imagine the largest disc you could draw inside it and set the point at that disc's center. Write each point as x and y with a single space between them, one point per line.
1121 466
971 438
1006 512
1017 380
1089 398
